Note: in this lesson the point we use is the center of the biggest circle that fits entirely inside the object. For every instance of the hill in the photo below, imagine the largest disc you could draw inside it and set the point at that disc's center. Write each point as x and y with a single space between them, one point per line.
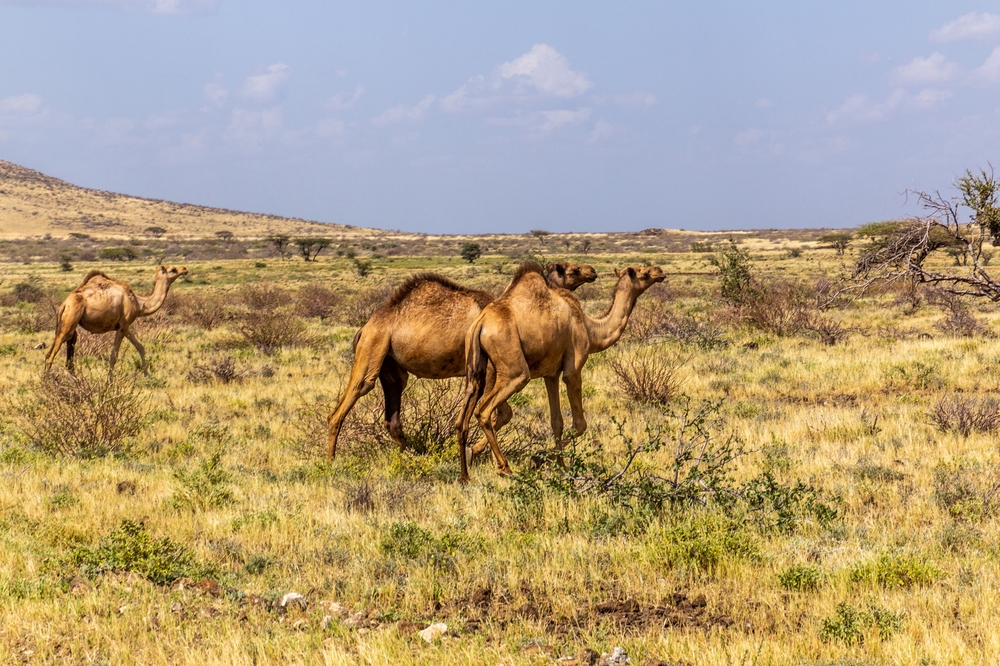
34 204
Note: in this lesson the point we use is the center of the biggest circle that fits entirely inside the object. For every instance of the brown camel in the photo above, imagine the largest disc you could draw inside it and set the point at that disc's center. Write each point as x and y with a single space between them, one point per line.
535 330
420 330
102 305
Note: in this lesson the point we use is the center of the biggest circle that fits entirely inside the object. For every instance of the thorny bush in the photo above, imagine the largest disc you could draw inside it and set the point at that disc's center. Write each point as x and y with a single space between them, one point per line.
647 375
965 415
700 473
86 415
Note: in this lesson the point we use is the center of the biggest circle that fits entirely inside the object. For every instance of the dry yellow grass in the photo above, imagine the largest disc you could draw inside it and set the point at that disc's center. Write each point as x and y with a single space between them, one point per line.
851 420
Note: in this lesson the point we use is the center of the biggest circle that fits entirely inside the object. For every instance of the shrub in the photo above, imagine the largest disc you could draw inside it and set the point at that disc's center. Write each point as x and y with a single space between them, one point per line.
703 541
315 300
646 375
360 306
269 324
735 273
849 625
204 309
363 267
966 414
958 320
961 488
28 292
131 549
206 487
223 370
85 415
409 541
705 246
801 578
894 571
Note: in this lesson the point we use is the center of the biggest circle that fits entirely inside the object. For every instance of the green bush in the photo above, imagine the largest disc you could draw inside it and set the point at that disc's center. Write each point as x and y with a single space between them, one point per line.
850 625
131 549
894 571
206 487
801 578
703 541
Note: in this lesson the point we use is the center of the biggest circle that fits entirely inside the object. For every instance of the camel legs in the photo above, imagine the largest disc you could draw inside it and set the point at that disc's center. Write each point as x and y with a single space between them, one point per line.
119 336
501 417
70 351
574 390
393 379
510 379
66 322
369 353
139 348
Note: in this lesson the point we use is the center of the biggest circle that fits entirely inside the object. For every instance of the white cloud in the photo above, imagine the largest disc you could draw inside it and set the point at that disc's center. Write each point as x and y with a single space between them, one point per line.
21 105
338 103
862 109
989 71
216 92
602 130
251 128
264 87
329 127
638 99
546 70
541 73
542 123
968 27
935 68
169 7
403 112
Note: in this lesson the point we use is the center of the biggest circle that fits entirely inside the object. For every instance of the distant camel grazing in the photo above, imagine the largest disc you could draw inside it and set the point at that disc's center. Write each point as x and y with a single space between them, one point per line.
534 330
102 305
420 330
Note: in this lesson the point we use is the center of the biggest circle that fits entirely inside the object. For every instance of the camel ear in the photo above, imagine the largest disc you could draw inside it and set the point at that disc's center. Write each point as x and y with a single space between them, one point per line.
631 272
163 268
618 272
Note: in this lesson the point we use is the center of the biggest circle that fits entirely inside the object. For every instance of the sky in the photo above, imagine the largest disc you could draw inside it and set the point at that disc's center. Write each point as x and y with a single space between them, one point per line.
458 117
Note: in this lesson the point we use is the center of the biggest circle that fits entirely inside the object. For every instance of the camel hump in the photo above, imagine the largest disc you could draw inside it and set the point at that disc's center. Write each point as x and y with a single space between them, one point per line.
420 279
92 274
526 268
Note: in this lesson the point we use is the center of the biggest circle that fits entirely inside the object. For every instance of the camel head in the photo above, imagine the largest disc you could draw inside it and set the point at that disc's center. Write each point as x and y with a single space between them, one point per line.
171 272
640 278
569 276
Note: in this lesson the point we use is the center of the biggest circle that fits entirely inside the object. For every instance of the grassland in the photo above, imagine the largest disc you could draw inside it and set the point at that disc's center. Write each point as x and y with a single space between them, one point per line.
873 539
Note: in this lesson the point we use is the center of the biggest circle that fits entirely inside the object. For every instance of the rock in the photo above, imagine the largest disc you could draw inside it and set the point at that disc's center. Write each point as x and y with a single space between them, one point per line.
433 632
332 607
293 600
126 488
41 345
407 628
176 607
326 622
209 586
300 625
78 586
699 601
587 657
482 597
355 621
182 584
528 610
618 657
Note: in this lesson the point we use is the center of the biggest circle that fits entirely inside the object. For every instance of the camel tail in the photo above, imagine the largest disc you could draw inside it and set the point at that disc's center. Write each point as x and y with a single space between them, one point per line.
354 342
475 358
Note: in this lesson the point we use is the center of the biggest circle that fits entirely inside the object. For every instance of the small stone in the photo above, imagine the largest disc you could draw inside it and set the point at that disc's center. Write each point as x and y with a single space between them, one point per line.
332 607
41 345
433 632
587 657
182 584
294 600
78 586
326 622
618 657
482 597
300 625
126 487
122 609
355 621
405 627
209 586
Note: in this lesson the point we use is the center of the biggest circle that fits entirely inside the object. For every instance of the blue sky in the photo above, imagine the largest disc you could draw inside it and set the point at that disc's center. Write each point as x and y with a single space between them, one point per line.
473 118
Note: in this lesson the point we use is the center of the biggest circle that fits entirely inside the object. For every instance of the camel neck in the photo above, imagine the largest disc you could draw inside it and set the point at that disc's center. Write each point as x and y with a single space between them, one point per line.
154 301
605 331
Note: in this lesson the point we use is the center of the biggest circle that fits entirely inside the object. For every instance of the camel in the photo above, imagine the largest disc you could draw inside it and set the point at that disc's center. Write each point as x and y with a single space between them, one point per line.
102 305
420 331
536 330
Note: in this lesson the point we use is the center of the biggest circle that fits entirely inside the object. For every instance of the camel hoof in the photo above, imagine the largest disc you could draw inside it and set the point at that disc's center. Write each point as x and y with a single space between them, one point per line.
463 480
504 471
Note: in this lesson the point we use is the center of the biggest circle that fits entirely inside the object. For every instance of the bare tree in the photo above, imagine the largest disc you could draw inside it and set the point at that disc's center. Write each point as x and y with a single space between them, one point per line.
280 243
900 250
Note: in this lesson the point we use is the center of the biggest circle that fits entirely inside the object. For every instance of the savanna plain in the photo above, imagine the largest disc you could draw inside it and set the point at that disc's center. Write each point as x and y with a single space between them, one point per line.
763 481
